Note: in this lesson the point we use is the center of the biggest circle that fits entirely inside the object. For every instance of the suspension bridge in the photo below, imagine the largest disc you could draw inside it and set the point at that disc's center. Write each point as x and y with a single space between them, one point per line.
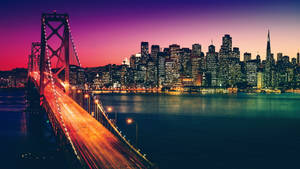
94 140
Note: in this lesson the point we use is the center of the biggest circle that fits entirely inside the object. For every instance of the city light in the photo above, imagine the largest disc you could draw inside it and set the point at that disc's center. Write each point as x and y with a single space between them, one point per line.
109 109
129 121
166 55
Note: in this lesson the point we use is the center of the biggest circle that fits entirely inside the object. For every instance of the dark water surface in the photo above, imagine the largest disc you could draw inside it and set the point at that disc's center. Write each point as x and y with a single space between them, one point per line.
214 132
211 132
26 140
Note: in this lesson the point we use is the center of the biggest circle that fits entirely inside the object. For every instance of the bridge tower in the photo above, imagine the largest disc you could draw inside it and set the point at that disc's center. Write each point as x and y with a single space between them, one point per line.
54 27
34 57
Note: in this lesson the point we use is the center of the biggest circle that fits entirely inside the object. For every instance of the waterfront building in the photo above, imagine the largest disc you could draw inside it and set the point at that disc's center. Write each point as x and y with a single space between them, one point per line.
77 76
171 73
269 73
251 73
185 63
224 55
260 80
234 72
151 74
161 68
212 66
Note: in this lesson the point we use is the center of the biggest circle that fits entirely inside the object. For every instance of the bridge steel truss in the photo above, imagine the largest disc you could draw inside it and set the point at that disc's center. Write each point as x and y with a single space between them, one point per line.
62 53
34 57
40 61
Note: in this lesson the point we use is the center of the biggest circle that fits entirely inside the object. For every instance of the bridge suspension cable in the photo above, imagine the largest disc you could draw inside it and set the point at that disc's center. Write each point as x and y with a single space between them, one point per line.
55 94
73 44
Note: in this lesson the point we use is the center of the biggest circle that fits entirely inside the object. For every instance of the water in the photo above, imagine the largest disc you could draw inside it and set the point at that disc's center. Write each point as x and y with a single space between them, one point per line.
26 140
213 132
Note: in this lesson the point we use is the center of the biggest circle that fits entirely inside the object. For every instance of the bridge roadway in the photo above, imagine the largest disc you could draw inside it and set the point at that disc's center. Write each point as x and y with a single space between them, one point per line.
98 147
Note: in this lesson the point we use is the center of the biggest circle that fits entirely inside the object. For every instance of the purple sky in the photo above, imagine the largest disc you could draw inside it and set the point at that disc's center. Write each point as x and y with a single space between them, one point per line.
108 31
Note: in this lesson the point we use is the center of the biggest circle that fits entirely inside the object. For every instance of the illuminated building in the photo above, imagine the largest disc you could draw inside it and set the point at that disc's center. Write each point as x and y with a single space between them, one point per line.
77 75
212 66
196 49
144 49
234 72
151 74
259 80
279 56
171 74
251 72
226 46
247 56
298 58
132 62
224 55
236 53
161 68
140 76
269 74
185 62
154 51
174 52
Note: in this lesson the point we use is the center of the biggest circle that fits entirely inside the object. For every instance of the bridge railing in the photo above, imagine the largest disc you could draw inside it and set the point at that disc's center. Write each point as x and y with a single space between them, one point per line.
114 129
102 116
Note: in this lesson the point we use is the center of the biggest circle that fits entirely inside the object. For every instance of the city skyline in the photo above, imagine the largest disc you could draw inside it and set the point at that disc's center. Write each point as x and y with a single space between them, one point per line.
149 84
107 25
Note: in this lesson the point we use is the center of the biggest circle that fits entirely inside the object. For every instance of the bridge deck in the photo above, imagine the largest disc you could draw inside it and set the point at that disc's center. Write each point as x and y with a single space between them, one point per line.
95 144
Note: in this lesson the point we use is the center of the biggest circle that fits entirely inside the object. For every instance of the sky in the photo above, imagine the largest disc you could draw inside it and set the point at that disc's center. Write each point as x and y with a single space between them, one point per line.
108 31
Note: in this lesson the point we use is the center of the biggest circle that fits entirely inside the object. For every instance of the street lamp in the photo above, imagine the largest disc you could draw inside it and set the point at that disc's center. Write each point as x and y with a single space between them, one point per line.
96 109
87 96
110 109
130 121
73 92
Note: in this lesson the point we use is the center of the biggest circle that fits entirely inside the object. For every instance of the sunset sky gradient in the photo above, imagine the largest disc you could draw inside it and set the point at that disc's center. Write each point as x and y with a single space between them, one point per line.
108 31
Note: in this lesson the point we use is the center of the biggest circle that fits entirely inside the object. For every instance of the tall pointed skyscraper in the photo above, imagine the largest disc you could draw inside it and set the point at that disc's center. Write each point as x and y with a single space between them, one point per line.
269 75
268 55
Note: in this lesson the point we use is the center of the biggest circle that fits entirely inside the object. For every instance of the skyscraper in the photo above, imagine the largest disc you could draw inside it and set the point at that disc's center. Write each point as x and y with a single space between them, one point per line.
144 49
251 72
174 50
279 56
212 66
236 53
161 56
298 58
196 49
185 62
247 56
268 55
269 73
226 46
154 50
224 55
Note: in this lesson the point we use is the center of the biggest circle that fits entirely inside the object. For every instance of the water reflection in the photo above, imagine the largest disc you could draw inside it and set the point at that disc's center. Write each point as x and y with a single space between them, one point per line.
23 124
244 105
214 131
